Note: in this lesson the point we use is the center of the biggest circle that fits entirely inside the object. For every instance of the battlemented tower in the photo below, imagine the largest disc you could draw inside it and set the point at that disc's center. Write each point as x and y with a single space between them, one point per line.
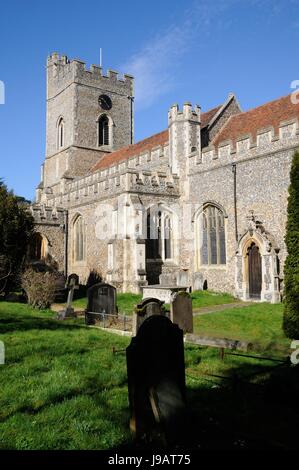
88 115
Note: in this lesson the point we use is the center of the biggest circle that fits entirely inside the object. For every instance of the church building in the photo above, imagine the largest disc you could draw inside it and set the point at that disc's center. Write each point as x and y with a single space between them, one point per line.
201 203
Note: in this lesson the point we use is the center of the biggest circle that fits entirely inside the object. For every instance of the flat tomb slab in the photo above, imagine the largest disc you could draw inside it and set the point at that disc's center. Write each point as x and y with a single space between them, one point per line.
162 292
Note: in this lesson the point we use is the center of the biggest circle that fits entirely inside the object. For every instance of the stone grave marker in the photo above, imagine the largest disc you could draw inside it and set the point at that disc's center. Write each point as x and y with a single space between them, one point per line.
198 281
101 299
145 309
156 380
72 284
181 311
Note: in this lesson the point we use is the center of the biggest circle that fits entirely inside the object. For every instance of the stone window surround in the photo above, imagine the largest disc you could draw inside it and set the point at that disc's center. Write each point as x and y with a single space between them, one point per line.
76 262
60 133
166 213
111 126
197 238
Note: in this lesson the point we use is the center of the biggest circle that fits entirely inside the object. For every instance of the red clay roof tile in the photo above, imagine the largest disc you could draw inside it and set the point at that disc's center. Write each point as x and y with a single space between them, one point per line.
270 114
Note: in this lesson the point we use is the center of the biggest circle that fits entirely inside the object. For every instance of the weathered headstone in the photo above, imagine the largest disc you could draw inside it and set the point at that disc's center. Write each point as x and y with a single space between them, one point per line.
71 284
144 310
101 299
198 281
183 278
167 279
156 379
181 311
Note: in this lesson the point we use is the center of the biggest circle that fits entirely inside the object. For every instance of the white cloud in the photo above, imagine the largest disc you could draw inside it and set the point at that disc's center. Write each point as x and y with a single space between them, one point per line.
154 65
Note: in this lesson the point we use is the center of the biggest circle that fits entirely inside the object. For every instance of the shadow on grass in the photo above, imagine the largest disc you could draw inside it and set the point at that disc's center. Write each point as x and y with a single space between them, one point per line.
236 414
25 323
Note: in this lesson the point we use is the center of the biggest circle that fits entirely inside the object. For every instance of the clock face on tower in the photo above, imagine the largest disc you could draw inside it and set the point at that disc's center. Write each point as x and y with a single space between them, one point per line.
105 102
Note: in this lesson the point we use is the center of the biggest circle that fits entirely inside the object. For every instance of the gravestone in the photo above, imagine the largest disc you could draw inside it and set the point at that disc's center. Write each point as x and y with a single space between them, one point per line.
71 284
156 380
198 281
183 278
101 299
181 311
168 279
144 310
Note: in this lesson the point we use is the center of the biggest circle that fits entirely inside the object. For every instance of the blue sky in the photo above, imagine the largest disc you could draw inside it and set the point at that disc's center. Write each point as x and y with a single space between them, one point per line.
197 50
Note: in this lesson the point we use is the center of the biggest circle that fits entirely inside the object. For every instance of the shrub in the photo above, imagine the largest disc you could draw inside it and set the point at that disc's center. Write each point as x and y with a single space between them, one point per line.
291 269
39 288
16 226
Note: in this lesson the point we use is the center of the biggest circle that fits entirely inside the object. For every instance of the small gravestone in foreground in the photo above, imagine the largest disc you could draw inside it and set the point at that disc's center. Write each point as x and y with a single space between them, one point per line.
72 284
181 311
156 380
145 309
101 301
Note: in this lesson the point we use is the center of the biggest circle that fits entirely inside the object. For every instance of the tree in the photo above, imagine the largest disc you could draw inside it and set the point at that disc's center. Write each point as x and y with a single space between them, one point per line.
291 270
16 227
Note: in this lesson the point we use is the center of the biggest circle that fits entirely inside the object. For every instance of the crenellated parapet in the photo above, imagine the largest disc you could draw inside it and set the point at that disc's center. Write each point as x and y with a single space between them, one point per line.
47 215
247 146
100 186
62 71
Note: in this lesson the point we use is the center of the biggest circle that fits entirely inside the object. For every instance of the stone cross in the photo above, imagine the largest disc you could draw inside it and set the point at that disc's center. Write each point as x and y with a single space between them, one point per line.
72 285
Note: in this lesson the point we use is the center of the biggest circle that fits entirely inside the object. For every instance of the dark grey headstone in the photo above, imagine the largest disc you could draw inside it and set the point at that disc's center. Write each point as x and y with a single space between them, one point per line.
156 379
146 309
101 298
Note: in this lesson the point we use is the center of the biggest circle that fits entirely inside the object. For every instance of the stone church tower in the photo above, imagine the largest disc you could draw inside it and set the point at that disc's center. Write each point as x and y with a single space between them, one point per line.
88 115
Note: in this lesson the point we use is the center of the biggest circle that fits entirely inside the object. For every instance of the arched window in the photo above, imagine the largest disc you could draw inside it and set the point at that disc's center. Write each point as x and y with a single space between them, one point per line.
212 228
79 239
60 134
159 235
103 130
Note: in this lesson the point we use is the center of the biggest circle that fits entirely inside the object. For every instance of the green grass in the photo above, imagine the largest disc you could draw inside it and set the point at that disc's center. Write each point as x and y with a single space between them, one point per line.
207 298
126 302
260 323
62 388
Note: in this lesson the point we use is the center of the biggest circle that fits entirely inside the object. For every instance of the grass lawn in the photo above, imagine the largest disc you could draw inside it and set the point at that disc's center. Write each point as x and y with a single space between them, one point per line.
62 388
260 324
126 302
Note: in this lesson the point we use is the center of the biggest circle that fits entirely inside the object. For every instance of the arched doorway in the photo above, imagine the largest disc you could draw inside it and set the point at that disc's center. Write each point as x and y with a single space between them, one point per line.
254 264
38 247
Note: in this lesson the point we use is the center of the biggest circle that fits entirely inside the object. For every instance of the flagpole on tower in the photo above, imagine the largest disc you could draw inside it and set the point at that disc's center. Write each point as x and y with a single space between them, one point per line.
100 57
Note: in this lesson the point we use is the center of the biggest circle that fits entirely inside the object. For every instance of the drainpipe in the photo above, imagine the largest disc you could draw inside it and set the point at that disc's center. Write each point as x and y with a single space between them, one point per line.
131 98
234 170
66 234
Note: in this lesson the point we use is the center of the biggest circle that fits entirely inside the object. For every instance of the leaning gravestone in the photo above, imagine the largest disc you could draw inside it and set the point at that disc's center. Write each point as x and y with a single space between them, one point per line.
72 284
181 311
145 309
156 380
101 299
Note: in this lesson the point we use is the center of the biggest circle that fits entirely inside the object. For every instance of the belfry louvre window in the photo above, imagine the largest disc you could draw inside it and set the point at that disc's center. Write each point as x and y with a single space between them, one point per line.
103 131
213 249
79 239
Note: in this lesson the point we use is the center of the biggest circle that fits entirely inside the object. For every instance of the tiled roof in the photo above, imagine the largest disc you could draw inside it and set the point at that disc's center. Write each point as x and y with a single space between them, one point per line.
136 149
206 117
271 114
132 150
